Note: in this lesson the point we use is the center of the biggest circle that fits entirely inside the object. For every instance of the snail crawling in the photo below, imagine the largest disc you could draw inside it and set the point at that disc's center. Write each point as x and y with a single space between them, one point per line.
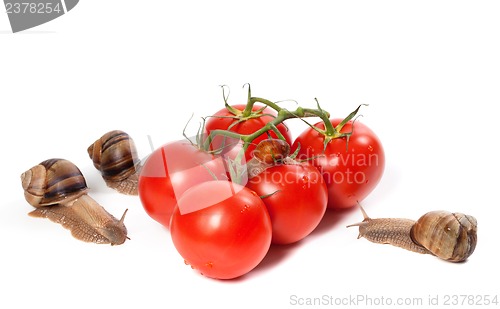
115 156
58 191
449 236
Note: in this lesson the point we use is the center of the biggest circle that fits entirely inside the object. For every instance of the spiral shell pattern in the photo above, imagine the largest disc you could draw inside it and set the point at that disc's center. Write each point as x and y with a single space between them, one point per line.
115 156
53 181
450 236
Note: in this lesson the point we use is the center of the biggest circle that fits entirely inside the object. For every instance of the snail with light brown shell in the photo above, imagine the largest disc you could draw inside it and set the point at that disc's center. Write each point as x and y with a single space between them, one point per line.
449 236
115 156
58 191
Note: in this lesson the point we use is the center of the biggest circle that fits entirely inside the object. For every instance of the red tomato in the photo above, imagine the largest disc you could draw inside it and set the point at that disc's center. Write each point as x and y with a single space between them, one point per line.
169 171
221 229
298 203
224 120
350 172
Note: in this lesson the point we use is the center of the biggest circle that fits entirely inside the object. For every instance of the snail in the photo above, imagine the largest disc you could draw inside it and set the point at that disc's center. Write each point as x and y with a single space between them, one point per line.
267 153
449 236
58 191
115 156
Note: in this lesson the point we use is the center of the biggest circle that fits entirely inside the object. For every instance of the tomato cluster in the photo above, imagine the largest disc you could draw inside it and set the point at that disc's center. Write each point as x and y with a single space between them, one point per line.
222 223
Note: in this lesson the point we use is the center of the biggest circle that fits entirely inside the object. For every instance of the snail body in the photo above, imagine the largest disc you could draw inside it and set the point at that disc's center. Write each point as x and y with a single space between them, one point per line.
115 156
86 220
449 236
58 191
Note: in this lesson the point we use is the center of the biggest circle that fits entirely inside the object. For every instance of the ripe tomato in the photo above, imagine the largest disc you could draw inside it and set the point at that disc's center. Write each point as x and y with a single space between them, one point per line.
221 229
351 168
169 171
297 202
224 120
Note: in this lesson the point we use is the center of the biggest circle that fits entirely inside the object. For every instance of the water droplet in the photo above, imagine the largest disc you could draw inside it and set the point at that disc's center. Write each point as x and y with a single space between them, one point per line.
370 147
305 179
209 264
245 208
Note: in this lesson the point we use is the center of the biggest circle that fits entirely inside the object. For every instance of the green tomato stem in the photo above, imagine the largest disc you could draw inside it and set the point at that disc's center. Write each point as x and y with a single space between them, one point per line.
266 102
231 109
283 115
330 132
249 107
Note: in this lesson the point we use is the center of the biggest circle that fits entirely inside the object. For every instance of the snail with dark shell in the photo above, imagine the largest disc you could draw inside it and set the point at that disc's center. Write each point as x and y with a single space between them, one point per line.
115 156
58 191
449 236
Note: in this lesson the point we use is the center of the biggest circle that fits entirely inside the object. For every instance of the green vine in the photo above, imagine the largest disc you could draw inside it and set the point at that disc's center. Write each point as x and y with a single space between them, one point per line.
283 114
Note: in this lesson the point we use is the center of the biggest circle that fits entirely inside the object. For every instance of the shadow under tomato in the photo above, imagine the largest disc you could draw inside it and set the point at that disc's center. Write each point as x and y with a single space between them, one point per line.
332 219
276 255
279 253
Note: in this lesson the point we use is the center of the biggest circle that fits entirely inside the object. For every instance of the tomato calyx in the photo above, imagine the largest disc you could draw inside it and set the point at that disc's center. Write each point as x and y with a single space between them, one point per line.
230 139
269 194
249 113
241 115
330 132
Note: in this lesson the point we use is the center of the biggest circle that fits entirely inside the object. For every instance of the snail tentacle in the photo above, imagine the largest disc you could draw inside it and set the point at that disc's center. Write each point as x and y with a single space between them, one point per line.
449 236
58 191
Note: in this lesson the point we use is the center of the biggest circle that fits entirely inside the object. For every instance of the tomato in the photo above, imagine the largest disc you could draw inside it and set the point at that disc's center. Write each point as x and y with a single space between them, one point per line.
224 120
351 168
169 171
296 199
221 229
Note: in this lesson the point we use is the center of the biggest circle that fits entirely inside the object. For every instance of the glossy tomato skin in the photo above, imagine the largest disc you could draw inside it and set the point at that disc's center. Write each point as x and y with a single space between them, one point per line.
299 201
350 173
246 127
169 171
221 229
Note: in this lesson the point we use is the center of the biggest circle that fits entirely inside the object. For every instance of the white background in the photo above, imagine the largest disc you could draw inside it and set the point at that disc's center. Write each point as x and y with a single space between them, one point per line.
429 70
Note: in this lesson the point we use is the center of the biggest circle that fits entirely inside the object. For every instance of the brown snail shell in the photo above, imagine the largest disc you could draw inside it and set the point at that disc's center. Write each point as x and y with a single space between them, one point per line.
270 151
267 153
53 181
450 236
115 156
58 190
